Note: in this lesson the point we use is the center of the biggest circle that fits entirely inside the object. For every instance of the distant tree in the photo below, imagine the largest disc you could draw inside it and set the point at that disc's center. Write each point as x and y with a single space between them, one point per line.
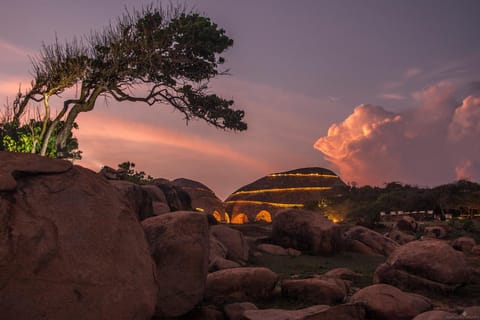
127 172
154 55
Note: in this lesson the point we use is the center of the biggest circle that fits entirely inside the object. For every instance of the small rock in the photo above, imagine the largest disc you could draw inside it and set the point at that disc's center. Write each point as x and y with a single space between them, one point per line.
234 311
464 244
240 284
315 291
384 302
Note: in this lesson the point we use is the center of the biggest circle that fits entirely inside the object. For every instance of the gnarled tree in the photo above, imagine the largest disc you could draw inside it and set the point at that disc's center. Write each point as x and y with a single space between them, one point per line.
154 56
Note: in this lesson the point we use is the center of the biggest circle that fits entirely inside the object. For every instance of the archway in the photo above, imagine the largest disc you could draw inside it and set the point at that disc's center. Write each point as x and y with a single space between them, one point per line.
217 216
239 218
264 215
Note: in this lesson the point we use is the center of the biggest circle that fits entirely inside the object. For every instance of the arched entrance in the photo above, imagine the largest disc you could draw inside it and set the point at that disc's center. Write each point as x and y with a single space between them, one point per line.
239 218
217 216
264 215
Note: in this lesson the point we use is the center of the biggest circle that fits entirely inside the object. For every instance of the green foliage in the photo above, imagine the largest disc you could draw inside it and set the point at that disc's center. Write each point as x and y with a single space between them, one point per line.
127 172
26 137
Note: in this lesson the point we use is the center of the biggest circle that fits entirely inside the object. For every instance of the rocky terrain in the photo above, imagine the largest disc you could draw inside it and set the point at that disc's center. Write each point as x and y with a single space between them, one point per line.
75 244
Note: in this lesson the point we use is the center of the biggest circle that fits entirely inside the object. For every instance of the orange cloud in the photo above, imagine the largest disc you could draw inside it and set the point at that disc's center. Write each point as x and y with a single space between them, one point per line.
431 143
101 126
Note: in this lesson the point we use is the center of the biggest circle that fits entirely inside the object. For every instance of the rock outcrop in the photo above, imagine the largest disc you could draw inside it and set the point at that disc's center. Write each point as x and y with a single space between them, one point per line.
69 245
384 302
307 230
234 242
139 199
366 241
177 199
275 250
424 265
464 244
318 312
203 198
438 315
315 291
179 246
240 284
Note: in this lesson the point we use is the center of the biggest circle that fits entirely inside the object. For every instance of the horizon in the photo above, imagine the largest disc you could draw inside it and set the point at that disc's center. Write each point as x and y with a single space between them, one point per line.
373 91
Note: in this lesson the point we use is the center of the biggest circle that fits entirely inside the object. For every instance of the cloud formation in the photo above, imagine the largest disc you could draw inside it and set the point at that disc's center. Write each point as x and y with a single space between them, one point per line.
435 142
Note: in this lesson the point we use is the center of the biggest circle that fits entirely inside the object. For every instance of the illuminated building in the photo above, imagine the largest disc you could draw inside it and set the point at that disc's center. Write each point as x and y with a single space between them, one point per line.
262 199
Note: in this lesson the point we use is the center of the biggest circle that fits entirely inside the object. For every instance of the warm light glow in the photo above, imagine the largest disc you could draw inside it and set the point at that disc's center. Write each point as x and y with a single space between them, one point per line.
227 218
282 190
335 217
217 216
273 204
239 218
264 215
199 209
302 175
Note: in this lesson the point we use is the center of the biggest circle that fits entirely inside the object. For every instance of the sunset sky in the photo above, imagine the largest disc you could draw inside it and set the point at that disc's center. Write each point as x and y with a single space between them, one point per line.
375 90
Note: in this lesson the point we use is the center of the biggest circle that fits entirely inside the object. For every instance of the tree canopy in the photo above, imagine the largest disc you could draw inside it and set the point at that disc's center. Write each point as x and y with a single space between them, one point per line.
155 55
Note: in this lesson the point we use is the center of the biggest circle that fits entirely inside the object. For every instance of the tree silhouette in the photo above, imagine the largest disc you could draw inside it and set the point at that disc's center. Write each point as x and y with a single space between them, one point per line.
155 55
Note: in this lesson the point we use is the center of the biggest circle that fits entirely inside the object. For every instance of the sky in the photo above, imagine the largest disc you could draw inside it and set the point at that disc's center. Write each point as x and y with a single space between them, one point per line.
376 91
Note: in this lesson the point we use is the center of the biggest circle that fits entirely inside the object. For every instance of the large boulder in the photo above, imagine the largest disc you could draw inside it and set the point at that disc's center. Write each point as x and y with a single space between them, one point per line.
315 290
139 199
464 244
406 224
179 245
306 230
177 199
159 201
234 311
203 198
438 315
349 311
366 241
424 265
437 232
240 284
233 240
384 302
401 237
70 246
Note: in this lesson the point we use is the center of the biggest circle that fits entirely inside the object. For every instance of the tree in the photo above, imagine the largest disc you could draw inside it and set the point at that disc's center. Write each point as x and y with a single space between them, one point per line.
154 55
127 172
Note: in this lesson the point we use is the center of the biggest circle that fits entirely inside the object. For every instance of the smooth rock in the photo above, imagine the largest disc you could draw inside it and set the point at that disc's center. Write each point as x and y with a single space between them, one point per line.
70 246
314 291
239 285
385 302
233 240
364 240
307 230
179 246
424 265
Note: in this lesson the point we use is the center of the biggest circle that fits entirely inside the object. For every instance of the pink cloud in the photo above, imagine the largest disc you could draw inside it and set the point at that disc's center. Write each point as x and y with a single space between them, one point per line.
412 72
101 126
429 144
392 96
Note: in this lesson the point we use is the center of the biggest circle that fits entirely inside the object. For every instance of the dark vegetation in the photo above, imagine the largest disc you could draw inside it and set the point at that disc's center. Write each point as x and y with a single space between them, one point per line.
363 204
155 55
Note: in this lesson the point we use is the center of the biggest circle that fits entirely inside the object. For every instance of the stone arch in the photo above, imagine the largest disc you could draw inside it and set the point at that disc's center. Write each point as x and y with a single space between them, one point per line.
263 215
239 218
217 216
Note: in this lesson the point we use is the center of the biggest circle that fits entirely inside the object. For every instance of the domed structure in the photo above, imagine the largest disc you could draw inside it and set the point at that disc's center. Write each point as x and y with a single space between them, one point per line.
203 198
262 199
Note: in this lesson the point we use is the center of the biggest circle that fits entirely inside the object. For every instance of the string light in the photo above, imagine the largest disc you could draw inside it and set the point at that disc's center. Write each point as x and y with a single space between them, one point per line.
282 190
